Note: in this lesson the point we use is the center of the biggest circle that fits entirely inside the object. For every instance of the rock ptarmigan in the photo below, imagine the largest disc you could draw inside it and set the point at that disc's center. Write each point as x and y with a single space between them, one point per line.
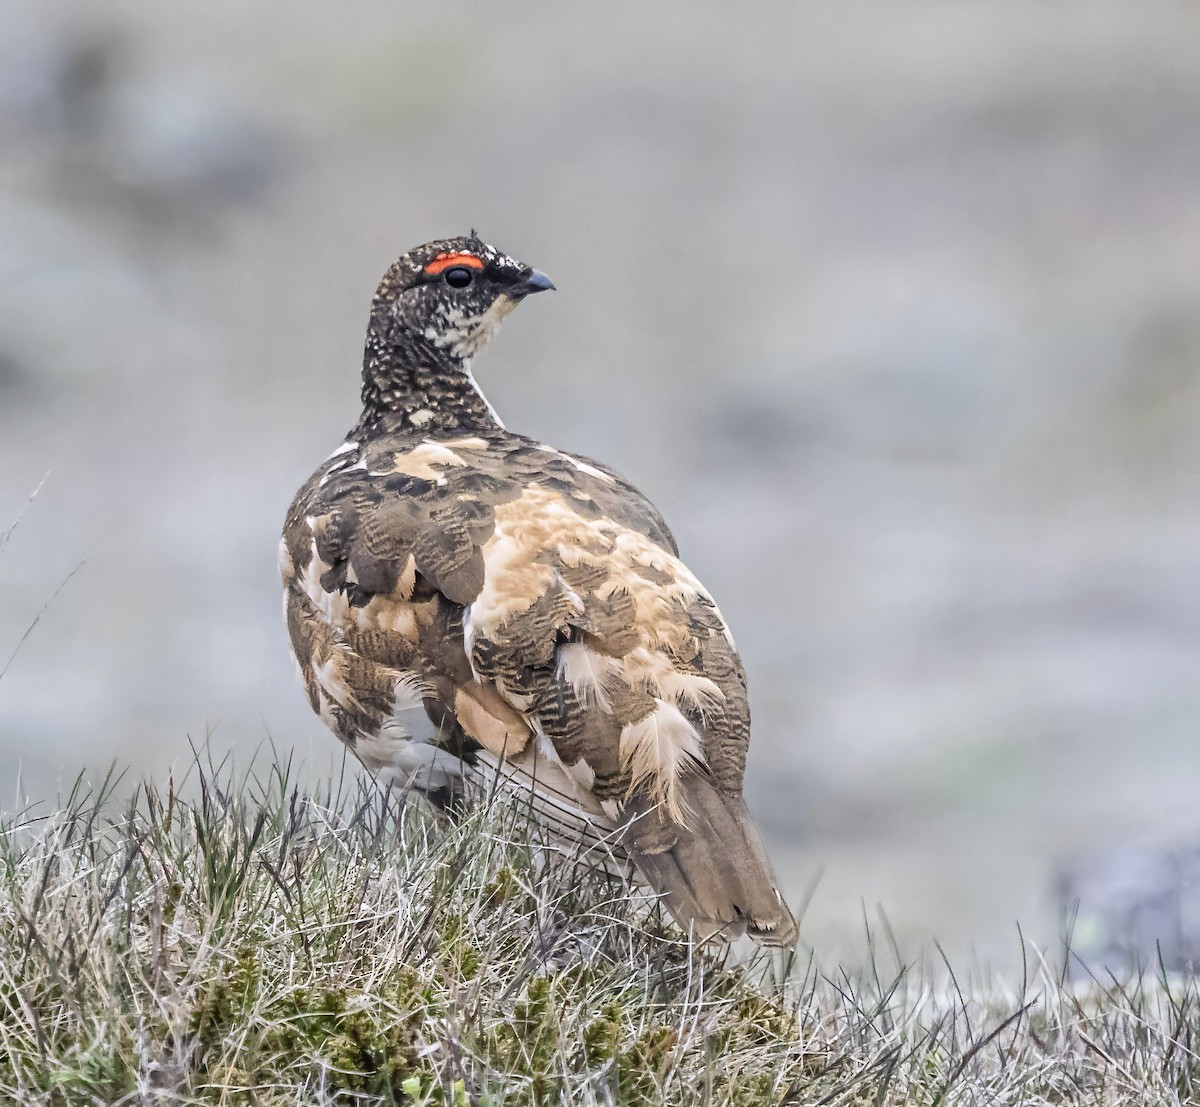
462 597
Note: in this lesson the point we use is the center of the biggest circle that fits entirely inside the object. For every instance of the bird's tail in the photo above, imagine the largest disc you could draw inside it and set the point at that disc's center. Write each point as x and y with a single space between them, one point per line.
713 871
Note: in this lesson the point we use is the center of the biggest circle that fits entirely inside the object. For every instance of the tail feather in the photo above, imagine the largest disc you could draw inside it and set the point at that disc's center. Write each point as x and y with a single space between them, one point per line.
713 871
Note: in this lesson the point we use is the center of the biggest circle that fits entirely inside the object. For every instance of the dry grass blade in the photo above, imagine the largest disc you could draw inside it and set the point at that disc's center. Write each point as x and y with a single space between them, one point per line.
241 942
5 535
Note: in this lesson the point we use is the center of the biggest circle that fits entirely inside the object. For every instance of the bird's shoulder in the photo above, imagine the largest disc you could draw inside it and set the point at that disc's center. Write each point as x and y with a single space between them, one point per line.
382 507
594 488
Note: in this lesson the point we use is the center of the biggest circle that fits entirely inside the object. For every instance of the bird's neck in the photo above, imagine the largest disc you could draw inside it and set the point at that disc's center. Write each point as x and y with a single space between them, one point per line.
410 384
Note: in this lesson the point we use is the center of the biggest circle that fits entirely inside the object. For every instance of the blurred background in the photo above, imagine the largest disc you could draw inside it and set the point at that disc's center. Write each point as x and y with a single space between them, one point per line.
895 313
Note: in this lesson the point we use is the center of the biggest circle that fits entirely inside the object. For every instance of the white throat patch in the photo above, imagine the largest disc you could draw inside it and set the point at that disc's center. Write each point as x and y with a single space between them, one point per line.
479 392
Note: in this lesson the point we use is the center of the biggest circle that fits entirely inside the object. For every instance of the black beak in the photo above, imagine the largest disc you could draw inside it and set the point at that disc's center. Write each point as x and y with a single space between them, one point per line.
534 281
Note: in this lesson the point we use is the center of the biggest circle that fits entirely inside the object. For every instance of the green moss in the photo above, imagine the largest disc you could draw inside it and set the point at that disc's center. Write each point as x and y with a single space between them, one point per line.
503 886
642 1067
228 1001
602 1036
469 962
356 1037
762 1020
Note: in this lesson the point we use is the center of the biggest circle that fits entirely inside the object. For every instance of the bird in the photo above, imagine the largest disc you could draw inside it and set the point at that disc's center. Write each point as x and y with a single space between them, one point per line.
462 599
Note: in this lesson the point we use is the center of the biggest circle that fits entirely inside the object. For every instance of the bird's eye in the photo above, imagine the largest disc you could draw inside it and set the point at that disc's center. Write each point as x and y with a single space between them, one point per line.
458 277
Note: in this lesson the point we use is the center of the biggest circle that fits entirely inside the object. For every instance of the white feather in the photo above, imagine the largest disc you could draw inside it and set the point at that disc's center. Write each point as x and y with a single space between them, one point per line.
657 750
587 672
398 761
703 694
344 448
479 392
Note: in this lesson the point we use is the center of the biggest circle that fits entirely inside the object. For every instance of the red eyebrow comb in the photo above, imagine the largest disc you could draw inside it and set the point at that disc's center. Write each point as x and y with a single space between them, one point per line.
445 261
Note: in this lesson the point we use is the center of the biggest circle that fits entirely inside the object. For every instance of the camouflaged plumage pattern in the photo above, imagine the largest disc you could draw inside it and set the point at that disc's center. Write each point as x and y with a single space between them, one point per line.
389 544
453 589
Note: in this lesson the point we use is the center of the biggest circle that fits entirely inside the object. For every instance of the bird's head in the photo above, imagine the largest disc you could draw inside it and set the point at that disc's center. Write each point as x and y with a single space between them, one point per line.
451 295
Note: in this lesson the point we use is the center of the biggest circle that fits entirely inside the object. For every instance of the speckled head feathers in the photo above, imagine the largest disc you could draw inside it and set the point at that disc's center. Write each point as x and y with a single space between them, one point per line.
452 293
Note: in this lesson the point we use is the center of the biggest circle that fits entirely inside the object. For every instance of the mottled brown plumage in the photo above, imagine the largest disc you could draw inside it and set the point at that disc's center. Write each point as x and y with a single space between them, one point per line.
462 600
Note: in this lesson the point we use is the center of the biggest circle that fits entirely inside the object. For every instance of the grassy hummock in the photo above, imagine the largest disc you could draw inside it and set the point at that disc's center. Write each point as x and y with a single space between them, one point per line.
257 945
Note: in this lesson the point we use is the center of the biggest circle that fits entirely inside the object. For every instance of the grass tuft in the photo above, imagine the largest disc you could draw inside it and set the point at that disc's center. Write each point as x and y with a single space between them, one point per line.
252 944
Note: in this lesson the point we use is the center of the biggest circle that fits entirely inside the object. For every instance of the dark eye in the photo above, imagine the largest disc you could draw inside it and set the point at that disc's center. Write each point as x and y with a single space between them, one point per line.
458 277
